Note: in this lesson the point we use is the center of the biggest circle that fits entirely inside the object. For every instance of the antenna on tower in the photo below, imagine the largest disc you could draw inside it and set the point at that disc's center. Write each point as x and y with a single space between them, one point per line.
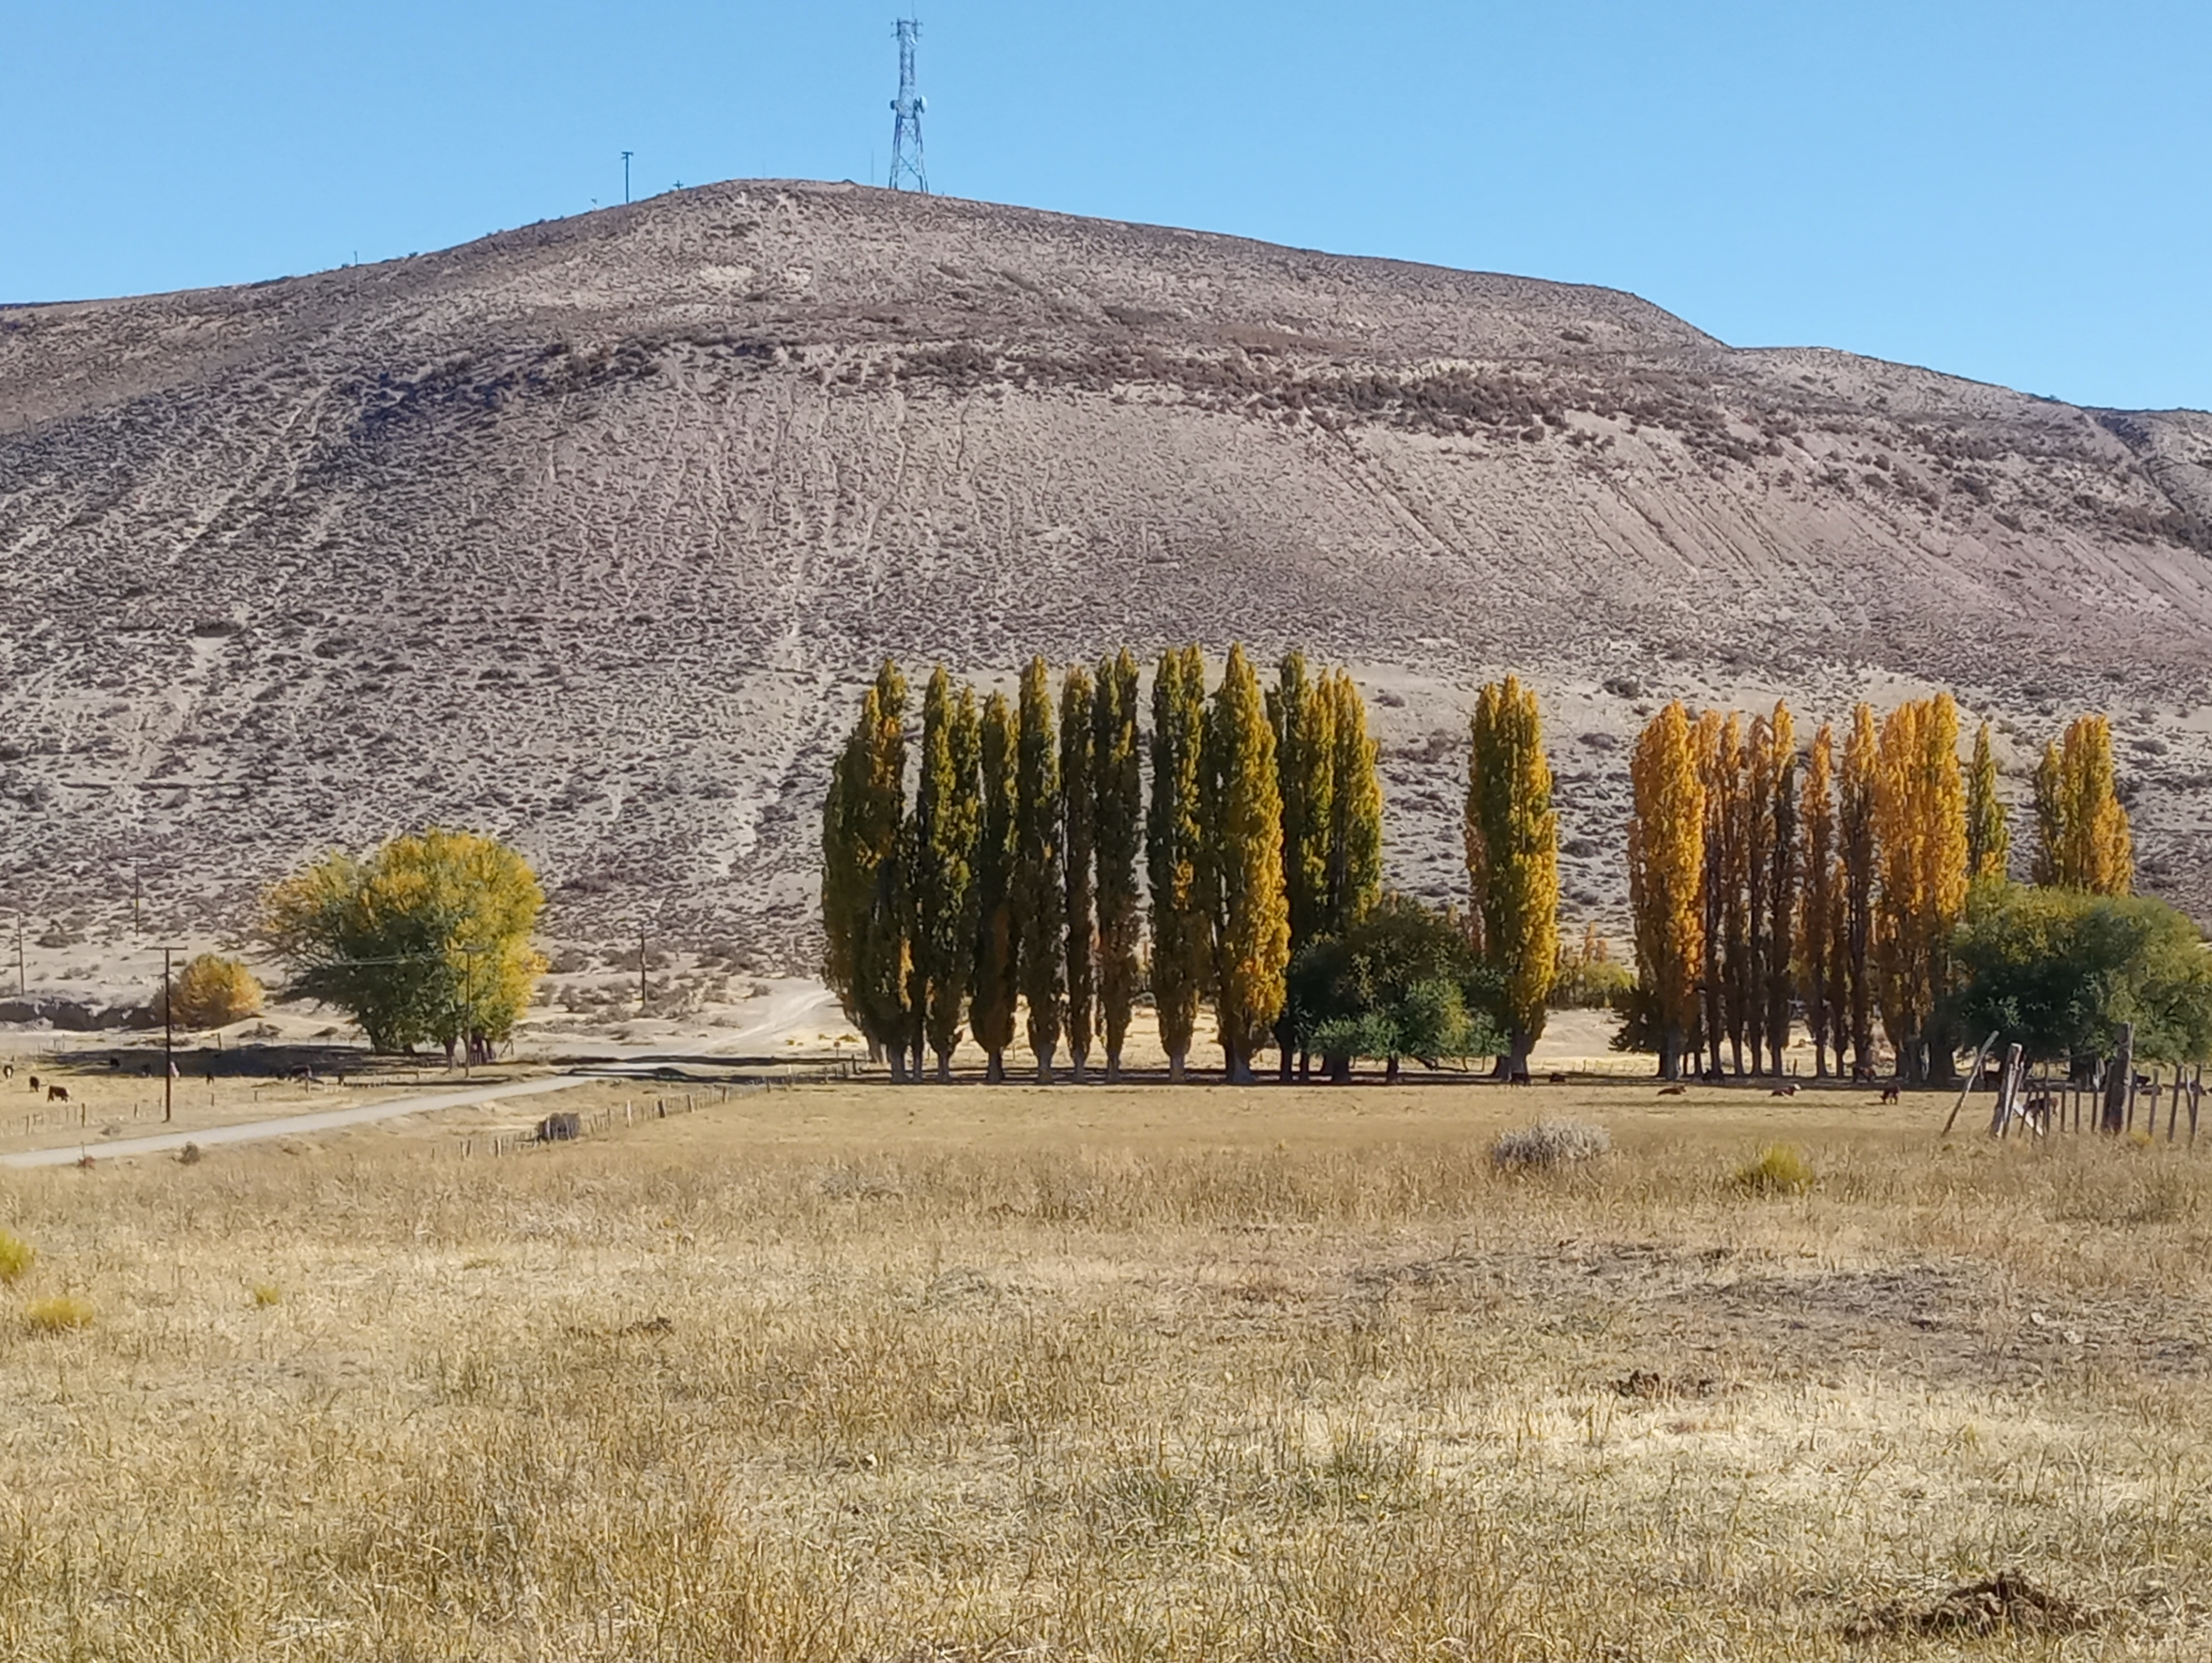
906 130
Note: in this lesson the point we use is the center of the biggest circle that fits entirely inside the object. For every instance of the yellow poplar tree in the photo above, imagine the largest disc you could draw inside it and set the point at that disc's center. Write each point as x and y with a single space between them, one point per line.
1355 838
1820 917
1666 878
1921 820
1243 872
1856 847
1727 893
1512 837
2085 840
1302 715
1778 781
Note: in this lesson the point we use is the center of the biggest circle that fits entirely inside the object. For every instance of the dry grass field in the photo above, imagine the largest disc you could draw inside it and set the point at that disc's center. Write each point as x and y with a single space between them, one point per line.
959 1374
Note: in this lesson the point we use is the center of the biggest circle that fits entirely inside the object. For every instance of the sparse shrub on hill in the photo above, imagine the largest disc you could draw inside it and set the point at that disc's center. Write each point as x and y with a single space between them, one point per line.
213 992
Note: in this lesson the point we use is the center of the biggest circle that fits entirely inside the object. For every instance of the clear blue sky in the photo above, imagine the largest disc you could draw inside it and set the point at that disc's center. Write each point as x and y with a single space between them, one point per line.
2018 192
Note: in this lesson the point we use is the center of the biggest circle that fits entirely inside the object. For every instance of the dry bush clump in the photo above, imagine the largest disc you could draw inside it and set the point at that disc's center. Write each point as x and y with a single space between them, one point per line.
1777 1169
57 1312
1550 1144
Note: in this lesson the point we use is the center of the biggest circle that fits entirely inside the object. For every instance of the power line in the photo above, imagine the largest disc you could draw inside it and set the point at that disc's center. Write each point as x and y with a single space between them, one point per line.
906 129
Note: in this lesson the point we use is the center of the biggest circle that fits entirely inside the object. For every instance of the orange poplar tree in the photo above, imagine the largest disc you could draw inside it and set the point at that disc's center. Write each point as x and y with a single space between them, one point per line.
1665 879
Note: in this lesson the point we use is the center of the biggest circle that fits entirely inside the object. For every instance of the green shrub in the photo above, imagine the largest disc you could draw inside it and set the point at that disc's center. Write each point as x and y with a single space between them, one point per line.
63 1311
15 1256
1777 1169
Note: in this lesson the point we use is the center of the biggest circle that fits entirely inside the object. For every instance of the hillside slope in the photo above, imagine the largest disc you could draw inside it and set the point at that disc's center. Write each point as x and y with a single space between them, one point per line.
584 532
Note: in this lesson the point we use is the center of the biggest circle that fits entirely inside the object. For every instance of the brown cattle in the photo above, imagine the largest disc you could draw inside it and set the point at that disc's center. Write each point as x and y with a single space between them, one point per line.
1892 1093
58 1094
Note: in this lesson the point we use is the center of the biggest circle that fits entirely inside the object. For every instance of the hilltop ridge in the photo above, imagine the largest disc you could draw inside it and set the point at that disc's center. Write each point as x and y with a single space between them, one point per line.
583 533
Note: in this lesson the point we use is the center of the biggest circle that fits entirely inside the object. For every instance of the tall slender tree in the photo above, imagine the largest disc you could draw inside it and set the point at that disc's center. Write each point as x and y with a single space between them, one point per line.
1666 877
1819 918
1355 836
1989 835
1175 850
863 888
1921 817
2086 843
997 982
1856 850
1727 885
1780 779
1512 837
1761 768
1303 718
1120 814
943 895
1079 820
1242 872
1039 902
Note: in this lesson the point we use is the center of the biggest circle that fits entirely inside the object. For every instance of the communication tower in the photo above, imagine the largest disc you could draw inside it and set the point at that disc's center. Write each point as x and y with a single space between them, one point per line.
907 171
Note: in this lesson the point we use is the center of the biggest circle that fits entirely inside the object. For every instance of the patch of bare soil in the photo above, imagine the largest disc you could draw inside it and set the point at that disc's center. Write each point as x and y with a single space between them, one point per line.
2006 1604
1941 1324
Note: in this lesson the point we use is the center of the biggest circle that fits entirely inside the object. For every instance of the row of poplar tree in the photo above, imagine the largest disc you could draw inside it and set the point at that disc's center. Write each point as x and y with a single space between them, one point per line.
1009 880
1832 880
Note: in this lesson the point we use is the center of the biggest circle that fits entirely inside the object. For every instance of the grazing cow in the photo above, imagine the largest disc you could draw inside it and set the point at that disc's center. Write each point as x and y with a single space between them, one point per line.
1790 1090
58 1094
1892 1094
1673 1091
34 1083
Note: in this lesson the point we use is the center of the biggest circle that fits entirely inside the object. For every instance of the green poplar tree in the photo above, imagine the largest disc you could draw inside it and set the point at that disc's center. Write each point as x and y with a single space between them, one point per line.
1988 834
1513 857
943 893
1355 835
1119 829
1302 715
997 983
1241 875
1039 904
863 888
1175 850
1079 821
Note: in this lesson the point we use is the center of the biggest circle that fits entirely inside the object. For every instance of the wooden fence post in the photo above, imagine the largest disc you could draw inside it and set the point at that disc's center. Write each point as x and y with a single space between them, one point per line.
2120 1082
2007 1087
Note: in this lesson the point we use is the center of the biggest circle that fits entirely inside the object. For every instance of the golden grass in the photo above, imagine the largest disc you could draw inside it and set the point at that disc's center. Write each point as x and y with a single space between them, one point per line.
1777 1169
968 1373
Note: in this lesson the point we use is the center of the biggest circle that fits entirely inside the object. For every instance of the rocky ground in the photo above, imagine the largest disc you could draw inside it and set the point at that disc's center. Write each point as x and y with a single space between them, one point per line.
586 533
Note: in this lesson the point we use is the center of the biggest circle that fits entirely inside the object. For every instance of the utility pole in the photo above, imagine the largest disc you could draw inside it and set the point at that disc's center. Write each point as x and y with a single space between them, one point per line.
641 967
137 893
22 987
908 105
627 154
168 1042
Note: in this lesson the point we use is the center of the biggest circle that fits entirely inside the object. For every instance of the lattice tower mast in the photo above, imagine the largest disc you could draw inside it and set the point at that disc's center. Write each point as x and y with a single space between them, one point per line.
907 171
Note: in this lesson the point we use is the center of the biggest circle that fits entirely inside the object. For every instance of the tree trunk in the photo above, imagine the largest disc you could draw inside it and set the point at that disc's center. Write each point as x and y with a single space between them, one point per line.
1175 1068
1390 1071
995 1068
1670 1056
1284 1051
1044 1066
1076 1061
1113 1067
1339 1068
898 1064
944 1068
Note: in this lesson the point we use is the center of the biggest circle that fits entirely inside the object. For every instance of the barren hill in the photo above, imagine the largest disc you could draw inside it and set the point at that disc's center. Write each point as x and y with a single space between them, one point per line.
584 532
